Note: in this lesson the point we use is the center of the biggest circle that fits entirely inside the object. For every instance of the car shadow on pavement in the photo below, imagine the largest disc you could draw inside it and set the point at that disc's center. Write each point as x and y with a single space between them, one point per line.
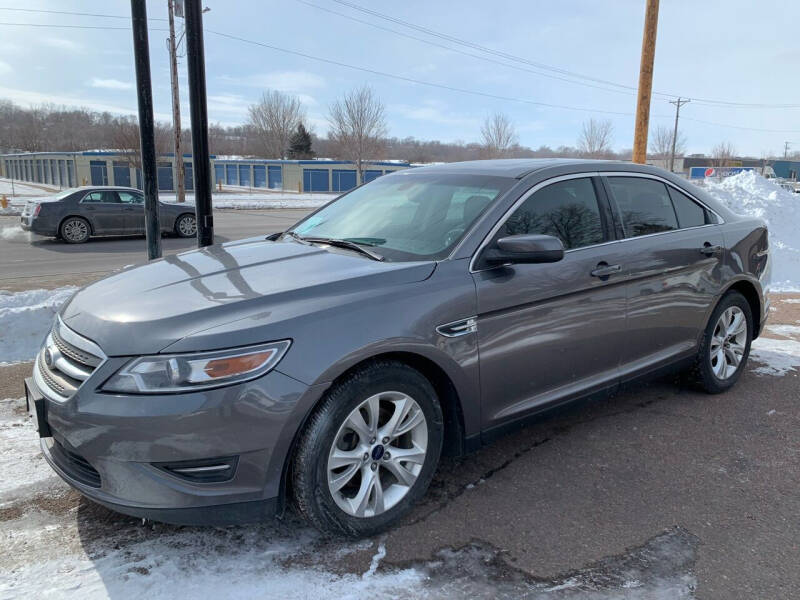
119 244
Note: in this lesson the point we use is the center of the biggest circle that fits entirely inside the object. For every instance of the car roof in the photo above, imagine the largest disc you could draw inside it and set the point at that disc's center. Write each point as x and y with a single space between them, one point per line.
518 168
100 188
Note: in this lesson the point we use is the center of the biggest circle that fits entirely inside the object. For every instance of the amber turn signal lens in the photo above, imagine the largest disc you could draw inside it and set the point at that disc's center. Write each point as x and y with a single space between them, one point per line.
225 367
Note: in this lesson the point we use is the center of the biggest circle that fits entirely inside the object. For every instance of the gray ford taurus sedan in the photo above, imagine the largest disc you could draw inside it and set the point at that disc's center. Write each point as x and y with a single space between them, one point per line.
77 214
424 313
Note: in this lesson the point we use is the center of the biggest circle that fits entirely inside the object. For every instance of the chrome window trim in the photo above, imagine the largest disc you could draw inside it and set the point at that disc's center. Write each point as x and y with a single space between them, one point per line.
672 185
502 220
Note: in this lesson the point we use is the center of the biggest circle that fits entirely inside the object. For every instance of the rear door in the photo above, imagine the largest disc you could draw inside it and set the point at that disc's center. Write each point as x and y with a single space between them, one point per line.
673 262
548 332
104 210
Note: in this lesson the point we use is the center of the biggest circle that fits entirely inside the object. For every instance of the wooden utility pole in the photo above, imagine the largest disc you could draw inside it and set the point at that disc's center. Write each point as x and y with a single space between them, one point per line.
678 103
645 82
176 103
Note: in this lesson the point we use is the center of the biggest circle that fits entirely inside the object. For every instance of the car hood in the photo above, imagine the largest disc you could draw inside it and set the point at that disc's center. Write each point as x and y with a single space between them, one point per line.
144 309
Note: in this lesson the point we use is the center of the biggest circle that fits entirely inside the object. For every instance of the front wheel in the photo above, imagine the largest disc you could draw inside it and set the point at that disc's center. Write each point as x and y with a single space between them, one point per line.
369 451
186 226
726 344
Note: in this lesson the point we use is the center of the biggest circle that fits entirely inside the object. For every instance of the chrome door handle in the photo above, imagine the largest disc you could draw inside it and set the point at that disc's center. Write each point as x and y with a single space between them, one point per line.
604 270
710 250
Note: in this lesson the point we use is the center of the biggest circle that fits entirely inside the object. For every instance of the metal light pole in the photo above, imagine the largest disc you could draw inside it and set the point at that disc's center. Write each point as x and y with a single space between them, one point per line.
141 51
180 192
195 56
645 82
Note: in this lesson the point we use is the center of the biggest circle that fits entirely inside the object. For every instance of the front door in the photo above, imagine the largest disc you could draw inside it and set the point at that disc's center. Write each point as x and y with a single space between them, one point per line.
673 267
133 208
550 332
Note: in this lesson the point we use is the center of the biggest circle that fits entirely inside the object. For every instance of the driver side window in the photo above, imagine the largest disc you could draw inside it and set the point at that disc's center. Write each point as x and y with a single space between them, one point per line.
568 210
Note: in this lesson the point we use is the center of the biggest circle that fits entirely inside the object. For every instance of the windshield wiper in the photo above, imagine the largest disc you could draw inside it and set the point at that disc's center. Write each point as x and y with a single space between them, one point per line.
340 243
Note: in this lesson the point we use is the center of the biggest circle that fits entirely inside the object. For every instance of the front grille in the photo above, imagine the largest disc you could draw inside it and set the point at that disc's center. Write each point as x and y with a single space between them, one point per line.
74 465
65 361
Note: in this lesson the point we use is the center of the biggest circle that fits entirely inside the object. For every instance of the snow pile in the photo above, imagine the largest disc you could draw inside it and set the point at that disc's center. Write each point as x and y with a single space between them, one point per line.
25 319
260 199
748 193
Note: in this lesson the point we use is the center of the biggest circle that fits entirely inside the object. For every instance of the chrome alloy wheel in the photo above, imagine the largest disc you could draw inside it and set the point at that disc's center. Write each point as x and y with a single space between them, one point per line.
728 342
188 226
377 454
75 230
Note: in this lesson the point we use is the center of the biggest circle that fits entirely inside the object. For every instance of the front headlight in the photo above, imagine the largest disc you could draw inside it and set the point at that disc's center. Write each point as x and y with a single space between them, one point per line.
198 371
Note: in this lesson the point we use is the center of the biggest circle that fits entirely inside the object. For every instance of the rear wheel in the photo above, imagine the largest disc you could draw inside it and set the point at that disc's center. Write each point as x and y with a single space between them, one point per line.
75 230
726 344
186 225
369 451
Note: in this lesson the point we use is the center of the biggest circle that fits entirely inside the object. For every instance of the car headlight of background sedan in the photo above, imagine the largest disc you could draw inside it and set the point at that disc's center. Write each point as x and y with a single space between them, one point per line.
197 371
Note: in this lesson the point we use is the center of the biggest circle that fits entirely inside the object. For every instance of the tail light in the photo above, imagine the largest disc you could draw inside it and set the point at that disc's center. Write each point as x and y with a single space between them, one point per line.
37 210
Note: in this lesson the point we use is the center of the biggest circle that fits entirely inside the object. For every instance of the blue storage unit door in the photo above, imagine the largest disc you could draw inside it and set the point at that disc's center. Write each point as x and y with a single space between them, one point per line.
343 180
165 182
122 173
371 174
315 180
259 176
219 173
275 178
62 173
97 168
231 175
53 172
139 184
188 177
244 175
39 170
71 173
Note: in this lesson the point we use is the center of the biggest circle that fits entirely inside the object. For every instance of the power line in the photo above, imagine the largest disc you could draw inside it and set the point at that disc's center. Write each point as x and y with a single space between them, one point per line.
67 12
547 67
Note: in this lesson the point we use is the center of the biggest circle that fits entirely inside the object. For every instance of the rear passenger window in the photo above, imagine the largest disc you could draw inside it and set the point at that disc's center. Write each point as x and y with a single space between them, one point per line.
643 204
690 213
567 210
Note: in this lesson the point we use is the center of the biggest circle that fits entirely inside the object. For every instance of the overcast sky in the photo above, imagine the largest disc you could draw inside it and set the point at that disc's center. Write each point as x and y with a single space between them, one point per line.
732 50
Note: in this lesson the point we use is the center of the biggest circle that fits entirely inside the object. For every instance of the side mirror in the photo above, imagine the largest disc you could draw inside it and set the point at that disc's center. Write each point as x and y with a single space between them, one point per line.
525 248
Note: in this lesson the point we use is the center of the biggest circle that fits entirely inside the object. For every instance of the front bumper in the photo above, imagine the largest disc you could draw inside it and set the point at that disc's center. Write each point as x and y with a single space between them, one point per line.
105 446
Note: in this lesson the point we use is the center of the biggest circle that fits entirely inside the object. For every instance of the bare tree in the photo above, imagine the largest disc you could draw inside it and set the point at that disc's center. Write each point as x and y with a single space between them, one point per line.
358 127
498 135
722 154
125 138
595 138
661 142
273 121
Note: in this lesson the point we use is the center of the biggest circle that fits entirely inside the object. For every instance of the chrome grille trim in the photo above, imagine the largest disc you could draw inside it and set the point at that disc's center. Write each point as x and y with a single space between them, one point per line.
72 360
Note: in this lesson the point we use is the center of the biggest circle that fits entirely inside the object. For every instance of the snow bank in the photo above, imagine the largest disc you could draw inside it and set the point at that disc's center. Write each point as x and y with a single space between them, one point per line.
777 357
25 319
748 193
21 461
260 200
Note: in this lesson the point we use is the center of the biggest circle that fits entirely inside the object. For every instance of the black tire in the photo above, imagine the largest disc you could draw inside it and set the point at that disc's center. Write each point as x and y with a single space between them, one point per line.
75 230
703 372
181 225
309 473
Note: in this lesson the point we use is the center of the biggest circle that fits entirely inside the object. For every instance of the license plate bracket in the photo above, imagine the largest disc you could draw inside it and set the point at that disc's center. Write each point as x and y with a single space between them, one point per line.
36 404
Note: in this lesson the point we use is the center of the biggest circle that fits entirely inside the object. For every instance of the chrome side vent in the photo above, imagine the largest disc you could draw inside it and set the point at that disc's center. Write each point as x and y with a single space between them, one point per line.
458 328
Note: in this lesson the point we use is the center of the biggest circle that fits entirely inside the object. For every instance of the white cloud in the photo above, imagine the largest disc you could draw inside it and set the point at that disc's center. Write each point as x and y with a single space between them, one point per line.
61 44
5 68
111 84
283 81
434 111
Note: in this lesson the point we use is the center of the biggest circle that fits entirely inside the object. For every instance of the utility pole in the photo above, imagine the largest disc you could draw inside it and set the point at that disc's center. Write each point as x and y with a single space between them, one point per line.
786 149
678 103
144 90
195 56
645 82
176 103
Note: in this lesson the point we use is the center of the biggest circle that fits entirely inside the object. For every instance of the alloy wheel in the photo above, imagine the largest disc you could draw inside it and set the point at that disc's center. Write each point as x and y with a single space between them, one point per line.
377 454
728 343
75 230
187 226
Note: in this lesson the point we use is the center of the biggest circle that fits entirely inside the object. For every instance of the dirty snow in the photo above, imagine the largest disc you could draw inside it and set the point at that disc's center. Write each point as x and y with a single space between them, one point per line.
775 357
25 319
748 193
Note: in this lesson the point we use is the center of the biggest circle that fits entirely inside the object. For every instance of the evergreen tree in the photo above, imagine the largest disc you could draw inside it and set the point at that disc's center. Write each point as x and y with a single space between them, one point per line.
300 144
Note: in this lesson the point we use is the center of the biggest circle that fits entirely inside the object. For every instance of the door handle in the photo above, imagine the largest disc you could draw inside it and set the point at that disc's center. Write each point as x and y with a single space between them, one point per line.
605 270
710 250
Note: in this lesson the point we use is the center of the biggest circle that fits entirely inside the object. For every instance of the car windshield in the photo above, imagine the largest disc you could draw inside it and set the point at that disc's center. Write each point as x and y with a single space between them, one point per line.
408 216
